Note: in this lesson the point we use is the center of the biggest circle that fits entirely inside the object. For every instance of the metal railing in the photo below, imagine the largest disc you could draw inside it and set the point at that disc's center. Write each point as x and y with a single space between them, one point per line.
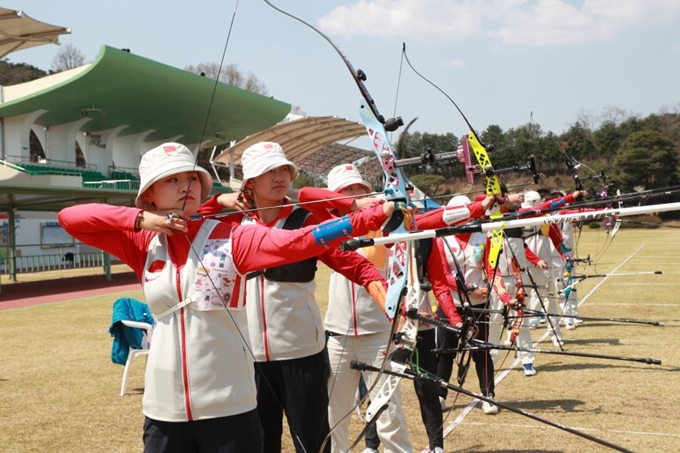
120 184
51 162
39 263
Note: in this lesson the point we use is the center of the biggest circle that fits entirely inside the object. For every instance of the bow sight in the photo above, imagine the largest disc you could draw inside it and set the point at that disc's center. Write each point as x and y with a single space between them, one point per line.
462 154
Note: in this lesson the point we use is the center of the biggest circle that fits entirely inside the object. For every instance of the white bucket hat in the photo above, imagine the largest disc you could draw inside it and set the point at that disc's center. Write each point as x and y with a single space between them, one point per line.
166 160
345 175
459 200
531 199
262 157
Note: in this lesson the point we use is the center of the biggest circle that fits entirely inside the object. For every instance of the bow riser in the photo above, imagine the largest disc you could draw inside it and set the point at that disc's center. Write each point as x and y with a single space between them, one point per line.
493 187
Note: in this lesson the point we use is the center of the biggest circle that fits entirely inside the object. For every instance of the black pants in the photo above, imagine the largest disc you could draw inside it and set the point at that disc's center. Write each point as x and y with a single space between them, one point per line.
430 410
299 388
233 434
482 358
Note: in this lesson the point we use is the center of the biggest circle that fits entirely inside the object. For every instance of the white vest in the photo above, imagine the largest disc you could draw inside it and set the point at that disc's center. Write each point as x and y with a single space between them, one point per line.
470 259
199 366
511 245
539 244
351 310
283 317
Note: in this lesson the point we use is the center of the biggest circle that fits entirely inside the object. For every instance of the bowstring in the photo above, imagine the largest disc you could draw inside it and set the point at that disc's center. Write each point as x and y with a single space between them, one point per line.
373 109
246 343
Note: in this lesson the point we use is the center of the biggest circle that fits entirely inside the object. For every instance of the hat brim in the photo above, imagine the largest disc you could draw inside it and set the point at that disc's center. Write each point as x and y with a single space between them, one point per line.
163 171
346 182
276 163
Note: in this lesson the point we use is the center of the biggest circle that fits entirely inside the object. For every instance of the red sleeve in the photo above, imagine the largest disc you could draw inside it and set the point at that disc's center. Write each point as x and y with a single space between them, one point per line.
212 207
556 238
440 287
109 228
576 211
257 247
430 219
555 203
531 256
326 204
477 211
351 265
448 216
450 279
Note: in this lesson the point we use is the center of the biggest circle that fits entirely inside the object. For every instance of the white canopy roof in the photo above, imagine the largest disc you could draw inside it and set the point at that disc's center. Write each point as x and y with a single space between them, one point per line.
19 31
298 138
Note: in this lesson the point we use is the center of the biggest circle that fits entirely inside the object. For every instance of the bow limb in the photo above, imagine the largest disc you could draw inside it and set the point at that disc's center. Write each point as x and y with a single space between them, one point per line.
399 272
402 269
617 221
473 142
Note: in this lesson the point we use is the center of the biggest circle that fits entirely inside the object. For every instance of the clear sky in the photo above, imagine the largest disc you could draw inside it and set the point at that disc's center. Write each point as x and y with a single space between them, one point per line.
503 61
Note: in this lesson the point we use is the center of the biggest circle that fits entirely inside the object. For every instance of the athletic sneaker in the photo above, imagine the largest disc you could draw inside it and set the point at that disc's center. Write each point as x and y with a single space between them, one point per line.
370 450
557 341
529 369
569 325
533 323
442 402
438 450
542 320
578 321
488 408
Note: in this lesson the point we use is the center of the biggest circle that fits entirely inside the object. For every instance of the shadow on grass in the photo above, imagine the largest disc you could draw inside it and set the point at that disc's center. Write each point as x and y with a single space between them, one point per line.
609 364
598 324
481 449
587 341
550 405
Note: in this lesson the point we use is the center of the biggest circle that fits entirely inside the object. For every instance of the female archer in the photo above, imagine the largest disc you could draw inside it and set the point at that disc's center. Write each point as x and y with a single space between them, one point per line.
200 393
283 316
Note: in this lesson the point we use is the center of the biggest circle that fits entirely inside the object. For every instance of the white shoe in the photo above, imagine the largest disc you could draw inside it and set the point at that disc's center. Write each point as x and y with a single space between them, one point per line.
442 403
489 409
533 323
578 321
557 341
529 369
370 450
438 450
569 325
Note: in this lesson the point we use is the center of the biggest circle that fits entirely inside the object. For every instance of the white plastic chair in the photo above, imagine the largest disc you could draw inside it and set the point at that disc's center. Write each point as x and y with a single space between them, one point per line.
147 331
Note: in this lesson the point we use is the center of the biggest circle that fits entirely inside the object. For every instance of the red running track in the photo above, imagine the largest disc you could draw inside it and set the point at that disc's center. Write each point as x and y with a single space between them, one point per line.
17 295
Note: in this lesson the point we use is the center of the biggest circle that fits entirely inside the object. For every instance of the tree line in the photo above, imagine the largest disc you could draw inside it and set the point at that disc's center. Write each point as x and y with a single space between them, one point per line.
628 153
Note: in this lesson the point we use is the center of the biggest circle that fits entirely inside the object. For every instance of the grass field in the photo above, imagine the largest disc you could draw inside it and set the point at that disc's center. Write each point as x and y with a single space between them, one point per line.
59 389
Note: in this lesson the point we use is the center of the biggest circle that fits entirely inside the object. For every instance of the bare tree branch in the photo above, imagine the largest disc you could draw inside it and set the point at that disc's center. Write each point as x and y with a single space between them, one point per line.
68 57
